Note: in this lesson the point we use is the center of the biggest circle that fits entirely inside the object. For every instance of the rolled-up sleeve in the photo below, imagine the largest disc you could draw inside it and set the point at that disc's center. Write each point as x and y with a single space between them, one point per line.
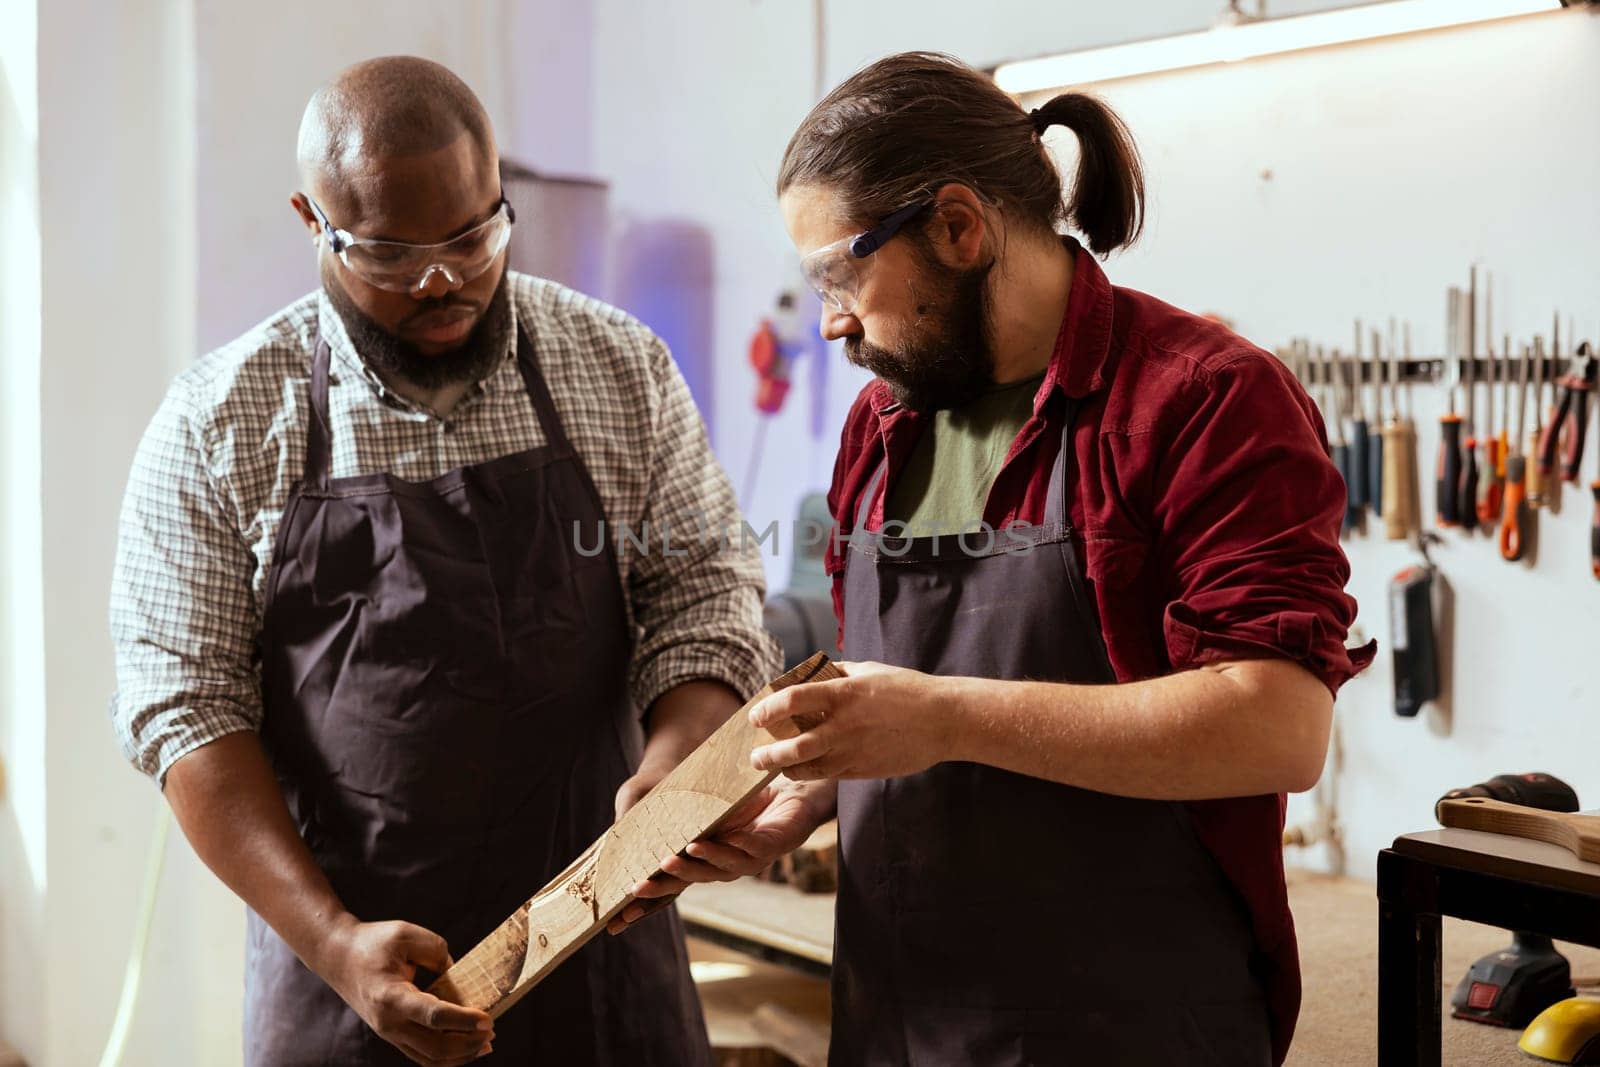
183 618
696 590
1248 507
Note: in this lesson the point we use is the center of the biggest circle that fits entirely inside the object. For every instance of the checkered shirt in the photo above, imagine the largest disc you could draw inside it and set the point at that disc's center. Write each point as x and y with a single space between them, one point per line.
213 473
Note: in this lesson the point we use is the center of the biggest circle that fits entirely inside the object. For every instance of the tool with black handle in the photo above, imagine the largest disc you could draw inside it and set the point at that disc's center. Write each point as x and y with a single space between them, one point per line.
1447 473
1340 447
1510 987
1469 506
1360 441
1530 449
1594 523
1375 446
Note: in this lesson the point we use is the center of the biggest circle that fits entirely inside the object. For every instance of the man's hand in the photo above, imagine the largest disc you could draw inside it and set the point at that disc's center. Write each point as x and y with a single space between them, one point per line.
373 965
775 821
656 766
876 722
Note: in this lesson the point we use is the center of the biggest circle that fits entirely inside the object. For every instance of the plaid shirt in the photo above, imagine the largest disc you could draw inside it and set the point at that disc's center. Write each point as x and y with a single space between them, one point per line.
213 474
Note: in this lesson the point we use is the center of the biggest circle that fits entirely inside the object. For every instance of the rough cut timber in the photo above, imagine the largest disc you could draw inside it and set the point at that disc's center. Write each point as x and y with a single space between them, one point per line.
687 804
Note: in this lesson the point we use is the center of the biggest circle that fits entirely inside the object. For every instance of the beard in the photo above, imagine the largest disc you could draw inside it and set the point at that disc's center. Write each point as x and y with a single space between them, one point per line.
394 357
949 360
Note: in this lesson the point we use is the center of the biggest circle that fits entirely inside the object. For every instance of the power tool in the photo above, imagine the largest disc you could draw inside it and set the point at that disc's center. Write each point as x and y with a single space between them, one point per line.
1510 987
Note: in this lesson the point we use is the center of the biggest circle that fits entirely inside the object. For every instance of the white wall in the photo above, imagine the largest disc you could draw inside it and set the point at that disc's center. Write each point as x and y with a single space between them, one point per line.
528 63
1391 172
148 154
116 188
23 854
1393 165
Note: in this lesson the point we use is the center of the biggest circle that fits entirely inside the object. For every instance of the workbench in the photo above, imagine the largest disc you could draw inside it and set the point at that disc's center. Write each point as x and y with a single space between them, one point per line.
762 919
1503 881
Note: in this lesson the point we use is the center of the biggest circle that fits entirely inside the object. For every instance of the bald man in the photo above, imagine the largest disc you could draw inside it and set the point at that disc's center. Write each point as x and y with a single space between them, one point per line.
373 638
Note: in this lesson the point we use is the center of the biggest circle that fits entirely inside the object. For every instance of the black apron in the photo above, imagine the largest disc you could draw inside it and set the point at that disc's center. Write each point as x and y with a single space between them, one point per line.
446 708
987 917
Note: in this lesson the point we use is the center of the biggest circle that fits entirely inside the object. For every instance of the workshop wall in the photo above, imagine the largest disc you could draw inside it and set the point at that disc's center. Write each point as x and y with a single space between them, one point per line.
153 158
1290 194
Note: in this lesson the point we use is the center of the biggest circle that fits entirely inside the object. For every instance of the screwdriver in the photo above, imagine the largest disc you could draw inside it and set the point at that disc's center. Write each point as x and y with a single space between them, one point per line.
1341 444
1398 452
1516 466
1375 445
1493 476
1594 525
1555 431
1360 493
1447 475
1504 434
1530 450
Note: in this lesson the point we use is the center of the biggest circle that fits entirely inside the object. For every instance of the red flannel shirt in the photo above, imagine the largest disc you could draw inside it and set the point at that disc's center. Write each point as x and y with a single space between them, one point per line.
1207 511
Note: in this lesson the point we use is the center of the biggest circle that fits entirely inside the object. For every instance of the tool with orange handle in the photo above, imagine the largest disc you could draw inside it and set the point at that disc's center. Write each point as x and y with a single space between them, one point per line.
1447 472
1516 504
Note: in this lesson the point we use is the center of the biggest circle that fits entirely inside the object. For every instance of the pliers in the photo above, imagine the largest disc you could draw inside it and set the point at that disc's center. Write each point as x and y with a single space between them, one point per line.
1572 417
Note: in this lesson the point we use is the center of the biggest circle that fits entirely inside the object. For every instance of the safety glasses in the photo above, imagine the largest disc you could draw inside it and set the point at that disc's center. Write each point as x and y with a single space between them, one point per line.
833 271
405 268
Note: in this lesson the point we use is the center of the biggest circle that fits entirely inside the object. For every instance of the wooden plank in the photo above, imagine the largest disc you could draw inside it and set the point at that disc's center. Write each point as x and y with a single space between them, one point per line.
1578 834
687 804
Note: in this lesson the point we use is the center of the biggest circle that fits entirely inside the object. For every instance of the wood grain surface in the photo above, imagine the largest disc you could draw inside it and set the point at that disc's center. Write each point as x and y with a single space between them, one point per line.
687 804
1578 834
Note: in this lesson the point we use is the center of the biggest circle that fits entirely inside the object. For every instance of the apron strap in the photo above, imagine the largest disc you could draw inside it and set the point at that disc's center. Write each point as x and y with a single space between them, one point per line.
1055 501
539 393
318 452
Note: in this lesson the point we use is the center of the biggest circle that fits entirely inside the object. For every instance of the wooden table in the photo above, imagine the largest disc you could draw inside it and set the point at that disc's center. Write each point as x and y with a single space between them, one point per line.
1487 878
769 921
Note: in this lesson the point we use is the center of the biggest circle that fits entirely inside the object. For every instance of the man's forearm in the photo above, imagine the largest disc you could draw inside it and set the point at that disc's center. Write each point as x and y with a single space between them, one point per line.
1237 729
684 716
229 805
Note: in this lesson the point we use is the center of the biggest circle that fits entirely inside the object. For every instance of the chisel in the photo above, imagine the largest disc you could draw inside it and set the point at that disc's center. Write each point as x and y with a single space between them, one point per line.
1471 506
1511 522
1360 491
1396 479
1375 445
1530 450
1447 474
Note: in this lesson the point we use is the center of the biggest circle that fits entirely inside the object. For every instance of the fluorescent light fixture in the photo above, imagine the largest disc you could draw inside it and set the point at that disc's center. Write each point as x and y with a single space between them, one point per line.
1272 36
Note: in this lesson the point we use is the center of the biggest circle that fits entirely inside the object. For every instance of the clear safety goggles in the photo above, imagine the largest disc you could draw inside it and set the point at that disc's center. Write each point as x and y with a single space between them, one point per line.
833 271
404 268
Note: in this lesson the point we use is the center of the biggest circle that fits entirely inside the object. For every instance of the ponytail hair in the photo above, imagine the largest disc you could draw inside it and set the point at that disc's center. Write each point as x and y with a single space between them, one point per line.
1107 202
897 130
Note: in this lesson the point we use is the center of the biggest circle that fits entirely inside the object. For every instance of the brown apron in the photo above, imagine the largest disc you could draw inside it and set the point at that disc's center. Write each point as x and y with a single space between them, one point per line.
446 708
987 917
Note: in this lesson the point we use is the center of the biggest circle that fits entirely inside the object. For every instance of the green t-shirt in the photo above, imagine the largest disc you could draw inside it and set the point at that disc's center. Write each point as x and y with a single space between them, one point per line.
946 481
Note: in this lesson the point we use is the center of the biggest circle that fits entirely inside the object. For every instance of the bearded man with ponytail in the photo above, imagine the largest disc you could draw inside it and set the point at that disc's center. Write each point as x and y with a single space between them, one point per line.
1090 593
